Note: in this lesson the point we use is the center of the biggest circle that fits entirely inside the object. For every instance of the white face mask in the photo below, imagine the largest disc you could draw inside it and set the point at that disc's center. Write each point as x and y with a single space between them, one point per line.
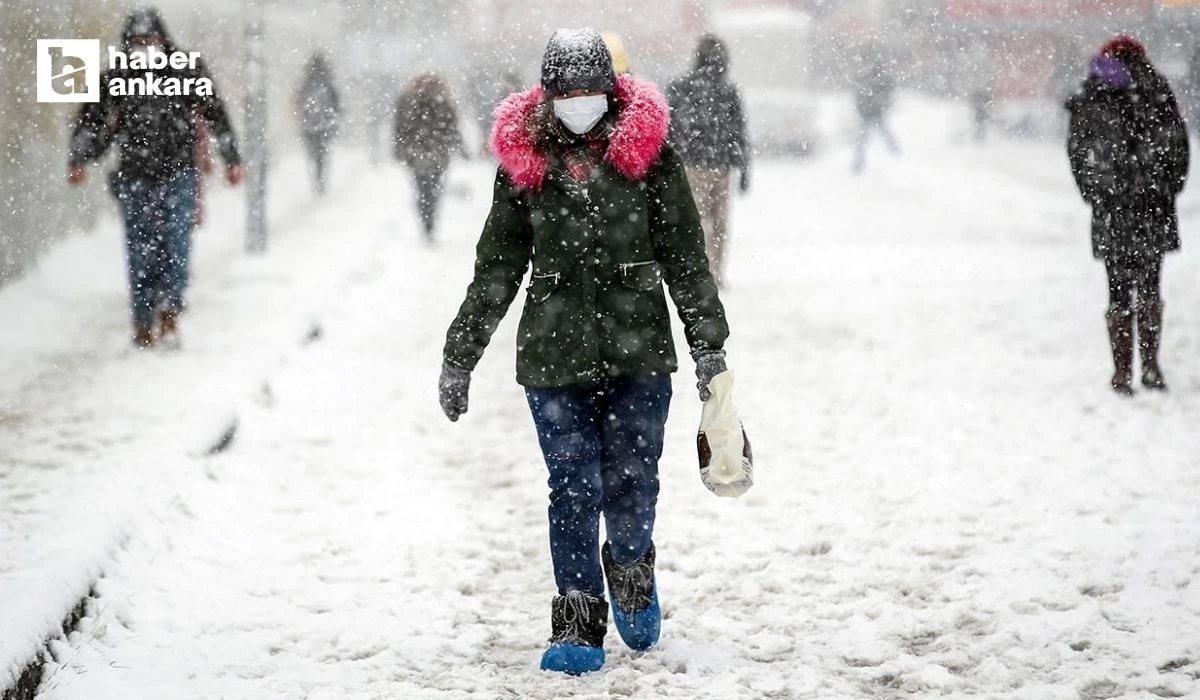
580 114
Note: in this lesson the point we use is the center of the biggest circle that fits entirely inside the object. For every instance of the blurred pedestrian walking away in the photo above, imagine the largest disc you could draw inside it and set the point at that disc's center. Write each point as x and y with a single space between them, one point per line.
875 88
1129 153
589 191
318 109
156 177
979 83
708 129
426 136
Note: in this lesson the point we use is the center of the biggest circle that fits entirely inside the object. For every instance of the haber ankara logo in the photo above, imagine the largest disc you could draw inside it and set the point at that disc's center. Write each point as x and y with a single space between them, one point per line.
68 70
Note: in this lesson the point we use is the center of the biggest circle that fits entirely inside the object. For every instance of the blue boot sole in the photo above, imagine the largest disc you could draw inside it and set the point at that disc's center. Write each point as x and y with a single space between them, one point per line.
639 630
573 659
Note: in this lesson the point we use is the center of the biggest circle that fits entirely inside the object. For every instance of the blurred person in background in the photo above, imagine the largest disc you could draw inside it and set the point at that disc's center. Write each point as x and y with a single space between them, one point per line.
708 129
979 86
155 181
1129 153
875 88
318 109
589 192
426 136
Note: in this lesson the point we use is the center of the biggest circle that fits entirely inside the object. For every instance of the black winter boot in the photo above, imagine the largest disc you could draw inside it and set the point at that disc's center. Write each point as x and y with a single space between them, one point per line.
578 622
634 593
1120 338
1149 336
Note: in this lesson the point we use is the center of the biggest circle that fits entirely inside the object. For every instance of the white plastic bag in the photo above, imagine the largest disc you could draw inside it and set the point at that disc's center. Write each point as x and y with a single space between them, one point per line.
726 462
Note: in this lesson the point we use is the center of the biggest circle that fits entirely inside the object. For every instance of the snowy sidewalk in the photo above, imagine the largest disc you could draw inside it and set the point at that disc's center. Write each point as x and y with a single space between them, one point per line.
951 502
92 432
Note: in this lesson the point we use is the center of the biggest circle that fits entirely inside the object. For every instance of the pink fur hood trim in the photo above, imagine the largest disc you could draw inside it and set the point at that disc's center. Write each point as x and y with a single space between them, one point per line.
634 146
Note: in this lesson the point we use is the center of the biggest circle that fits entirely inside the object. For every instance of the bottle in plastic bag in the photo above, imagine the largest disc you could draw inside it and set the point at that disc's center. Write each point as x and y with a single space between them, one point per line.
726 460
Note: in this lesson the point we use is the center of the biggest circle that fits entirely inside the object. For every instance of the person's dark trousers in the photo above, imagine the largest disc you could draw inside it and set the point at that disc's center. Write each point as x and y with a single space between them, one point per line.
159 219
1139 275
601 443
318 151
428 180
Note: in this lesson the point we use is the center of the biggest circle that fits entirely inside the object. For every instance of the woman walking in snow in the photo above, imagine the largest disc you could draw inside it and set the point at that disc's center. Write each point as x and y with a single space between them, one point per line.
589 191
1128 148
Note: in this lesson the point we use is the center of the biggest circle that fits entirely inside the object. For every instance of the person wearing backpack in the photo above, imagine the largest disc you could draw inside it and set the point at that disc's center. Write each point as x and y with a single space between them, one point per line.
591 194
1129 153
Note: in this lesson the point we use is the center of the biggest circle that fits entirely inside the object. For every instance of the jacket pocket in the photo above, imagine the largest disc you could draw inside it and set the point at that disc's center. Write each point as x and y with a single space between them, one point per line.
541 286
642 276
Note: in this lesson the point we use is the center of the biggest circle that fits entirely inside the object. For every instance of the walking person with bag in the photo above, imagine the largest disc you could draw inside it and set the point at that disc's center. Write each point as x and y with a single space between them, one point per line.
589 192
1129 153
156 180
708 128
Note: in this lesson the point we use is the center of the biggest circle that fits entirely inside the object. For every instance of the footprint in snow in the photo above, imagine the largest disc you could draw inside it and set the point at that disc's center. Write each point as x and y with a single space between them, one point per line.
1102 689
1175 664
1097 590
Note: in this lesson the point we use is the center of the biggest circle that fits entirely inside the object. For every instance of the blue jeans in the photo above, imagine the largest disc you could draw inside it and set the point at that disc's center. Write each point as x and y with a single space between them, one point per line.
159 218
602 443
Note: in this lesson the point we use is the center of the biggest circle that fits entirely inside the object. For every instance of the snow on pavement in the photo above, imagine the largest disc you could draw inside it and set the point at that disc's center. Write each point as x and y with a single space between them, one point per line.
950 500
87 426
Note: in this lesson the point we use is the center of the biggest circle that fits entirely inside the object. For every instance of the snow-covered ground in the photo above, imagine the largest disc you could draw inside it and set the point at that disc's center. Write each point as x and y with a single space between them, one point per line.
950 500
88 426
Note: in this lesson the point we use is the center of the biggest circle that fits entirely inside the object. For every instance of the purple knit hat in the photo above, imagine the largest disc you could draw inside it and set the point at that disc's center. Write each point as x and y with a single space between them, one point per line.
1112 72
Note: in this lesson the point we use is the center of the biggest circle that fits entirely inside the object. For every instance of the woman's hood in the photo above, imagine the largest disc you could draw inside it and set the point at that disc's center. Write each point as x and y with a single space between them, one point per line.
634 146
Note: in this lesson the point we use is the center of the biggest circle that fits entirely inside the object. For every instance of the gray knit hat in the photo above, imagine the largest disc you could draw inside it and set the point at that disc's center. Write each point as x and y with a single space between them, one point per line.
577 59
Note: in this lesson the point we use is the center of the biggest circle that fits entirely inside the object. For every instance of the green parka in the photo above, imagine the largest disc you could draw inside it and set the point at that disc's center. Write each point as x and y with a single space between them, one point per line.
601 250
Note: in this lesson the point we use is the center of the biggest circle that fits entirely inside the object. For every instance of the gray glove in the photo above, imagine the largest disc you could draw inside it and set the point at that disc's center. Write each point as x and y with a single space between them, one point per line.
453 386
709 363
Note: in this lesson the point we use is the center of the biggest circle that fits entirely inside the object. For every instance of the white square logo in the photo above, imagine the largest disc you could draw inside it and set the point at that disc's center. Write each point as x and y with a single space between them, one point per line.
68 70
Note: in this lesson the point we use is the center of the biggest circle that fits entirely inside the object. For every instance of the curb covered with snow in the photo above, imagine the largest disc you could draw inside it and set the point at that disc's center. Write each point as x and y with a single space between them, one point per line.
93 433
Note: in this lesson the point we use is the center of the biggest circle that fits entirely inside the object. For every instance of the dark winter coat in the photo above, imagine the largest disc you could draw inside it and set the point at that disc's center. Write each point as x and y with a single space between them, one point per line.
426 125
601 250
708 126
1129 154
875 89
155 135
317 103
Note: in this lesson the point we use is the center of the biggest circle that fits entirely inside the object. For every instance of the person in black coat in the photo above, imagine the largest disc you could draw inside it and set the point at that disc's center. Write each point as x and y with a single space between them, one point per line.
1129 154
426 136
318 108
708 131
156 179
